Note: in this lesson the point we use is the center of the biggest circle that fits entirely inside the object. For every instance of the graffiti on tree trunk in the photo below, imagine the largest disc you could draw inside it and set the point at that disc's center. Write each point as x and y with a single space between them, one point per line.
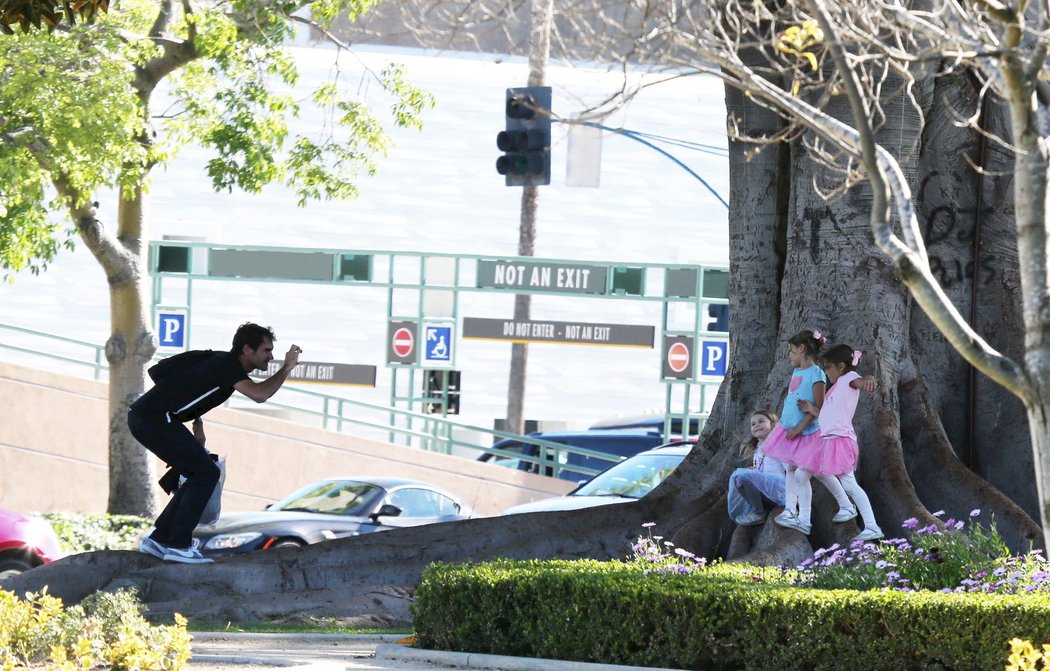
954 226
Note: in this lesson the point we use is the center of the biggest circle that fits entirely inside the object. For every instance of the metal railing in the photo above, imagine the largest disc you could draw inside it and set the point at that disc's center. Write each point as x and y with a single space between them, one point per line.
334 413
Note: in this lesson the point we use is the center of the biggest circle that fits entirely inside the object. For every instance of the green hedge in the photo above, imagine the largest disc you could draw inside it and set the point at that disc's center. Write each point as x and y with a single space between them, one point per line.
86 532
725 617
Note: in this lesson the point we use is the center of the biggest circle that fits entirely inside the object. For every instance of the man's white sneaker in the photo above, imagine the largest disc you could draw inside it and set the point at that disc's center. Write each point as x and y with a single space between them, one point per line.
845 514
186 556
794 523
152 547
872 534
784 517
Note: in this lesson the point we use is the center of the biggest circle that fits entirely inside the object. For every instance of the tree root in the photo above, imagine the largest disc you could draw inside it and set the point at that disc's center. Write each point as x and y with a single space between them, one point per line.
945 483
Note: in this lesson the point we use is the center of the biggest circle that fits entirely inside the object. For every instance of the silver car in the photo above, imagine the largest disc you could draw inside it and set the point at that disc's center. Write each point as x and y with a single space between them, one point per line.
629 480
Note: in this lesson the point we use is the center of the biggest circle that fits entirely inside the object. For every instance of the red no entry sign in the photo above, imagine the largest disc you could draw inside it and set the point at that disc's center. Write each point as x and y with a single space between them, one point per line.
402 342
678 357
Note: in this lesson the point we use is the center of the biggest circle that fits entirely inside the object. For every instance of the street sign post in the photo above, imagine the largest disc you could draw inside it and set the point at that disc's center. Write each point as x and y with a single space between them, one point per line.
172 327
713 357
678 358
438 341
574 333
401 342
358 375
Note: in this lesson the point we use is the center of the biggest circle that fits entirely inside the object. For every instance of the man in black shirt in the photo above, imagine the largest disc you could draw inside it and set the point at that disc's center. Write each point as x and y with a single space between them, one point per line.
187 386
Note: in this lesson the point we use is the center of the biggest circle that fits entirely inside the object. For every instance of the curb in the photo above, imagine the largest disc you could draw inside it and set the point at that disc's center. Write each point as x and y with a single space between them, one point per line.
474 660
276 662
219 635
298 663
242 660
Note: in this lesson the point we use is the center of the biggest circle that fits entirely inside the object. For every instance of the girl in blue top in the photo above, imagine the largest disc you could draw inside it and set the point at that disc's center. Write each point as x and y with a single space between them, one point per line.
796 428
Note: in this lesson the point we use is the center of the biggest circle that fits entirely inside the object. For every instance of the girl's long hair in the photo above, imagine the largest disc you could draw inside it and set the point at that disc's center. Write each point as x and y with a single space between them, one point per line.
748 447
841 353
809 342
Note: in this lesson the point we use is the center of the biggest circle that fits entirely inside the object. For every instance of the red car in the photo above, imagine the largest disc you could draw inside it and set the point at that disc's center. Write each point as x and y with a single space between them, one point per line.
25 542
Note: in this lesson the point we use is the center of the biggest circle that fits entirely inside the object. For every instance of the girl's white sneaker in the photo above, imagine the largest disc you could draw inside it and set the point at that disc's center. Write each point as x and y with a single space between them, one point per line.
872 534
845 514
794 523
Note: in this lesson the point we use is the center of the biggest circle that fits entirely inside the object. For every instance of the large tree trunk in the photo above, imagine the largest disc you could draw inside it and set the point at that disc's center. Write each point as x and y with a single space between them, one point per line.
128 349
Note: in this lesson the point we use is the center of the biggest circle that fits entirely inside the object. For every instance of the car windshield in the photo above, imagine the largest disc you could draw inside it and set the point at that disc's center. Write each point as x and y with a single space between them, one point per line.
633 478
341 497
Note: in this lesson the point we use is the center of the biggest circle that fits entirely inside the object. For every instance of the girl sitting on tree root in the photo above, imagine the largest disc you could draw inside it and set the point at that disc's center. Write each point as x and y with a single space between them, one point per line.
752 489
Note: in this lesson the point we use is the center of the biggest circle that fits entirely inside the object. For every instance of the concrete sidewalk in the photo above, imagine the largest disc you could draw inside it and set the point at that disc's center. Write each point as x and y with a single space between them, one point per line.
338 652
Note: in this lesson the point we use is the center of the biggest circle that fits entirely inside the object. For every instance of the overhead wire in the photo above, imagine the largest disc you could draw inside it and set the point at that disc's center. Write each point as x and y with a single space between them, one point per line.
649 140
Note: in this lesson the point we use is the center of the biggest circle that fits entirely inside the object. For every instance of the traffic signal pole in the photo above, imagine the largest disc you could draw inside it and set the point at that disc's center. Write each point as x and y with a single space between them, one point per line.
539 54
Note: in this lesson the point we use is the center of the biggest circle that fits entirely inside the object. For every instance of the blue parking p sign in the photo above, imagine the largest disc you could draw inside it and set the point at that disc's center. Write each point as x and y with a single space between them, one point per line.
171 329
713 357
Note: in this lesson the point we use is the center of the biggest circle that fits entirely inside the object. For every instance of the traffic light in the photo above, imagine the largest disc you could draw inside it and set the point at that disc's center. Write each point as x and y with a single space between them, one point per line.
441 390
526 144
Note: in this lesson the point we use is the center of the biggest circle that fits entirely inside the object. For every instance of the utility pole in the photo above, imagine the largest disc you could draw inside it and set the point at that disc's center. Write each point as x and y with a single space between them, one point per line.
539 54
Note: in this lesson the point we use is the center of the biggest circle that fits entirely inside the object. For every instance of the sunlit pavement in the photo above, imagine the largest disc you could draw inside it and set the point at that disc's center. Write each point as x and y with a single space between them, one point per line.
334 652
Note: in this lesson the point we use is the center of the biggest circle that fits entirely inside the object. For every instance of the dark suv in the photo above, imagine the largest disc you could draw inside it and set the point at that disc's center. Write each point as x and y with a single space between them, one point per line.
584 454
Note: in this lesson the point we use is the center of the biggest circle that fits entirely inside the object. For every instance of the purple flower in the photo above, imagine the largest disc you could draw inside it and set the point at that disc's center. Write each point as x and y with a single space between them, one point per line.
959 525
910 523
938 513
975 512
649 524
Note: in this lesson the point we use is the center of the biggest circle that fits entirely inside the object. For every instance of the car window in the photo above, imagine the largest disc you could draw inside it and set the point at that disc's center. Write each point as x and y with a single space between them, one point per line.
633 478
415 502
514 462
344 497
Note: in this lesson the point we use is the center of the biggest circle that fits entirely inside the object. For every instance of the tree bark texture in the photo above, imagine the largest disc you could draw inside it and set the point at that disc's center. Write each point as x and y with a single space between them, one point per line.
128 351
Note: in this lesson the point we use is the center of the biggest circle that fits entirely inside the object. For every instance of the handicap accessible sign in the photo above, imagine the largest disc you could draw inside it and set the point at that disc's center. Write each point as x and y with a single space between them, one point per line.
437 344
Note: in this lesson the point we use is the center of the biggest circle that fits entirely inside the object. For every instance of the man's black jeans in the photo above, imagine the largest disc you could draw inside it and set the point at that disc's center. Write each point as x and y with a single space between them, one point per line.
175 445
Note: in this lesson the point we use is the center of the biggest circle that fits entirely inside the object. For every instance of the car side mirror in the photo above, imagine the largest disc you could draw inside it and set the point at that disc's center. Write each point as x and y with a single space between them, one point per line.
386 510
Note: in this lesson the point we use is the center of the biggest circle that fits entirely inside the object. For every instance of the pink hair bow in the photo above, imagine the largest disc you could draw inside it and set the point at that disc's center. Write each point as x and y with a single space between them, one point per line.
856 357
817 335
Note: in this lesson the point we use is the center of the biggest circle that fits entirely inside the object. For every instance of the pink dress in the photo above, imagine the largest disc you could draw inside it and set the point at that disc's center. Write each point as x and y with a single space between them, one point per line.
838 451
777 443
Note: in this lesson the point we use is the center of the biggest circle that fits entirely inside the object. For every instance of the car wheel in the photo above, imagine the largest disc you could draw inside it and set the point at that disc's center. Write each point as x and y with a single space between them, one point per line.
10 566
286 543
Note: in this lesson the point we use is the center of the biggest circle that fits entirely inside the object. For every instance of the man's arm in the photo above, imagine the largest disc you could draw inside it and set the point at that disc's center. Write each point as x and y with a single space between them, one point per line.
260 391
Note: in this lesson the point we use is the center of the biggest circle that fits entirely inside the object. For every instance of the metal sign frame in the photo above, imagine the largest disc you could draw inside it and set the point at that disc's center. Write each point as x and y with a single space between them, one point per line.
439 281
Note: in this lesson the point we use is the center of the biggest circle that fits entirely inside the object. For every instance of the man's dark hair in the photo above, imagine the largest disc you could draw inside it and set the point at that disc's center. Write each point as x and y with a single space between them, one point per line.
251 335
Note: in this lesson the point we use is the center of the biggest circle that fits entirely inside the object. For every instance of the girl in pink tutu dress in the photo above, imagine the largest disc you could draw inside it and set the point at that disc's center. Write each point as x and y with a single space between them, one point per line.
837 453
798 429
